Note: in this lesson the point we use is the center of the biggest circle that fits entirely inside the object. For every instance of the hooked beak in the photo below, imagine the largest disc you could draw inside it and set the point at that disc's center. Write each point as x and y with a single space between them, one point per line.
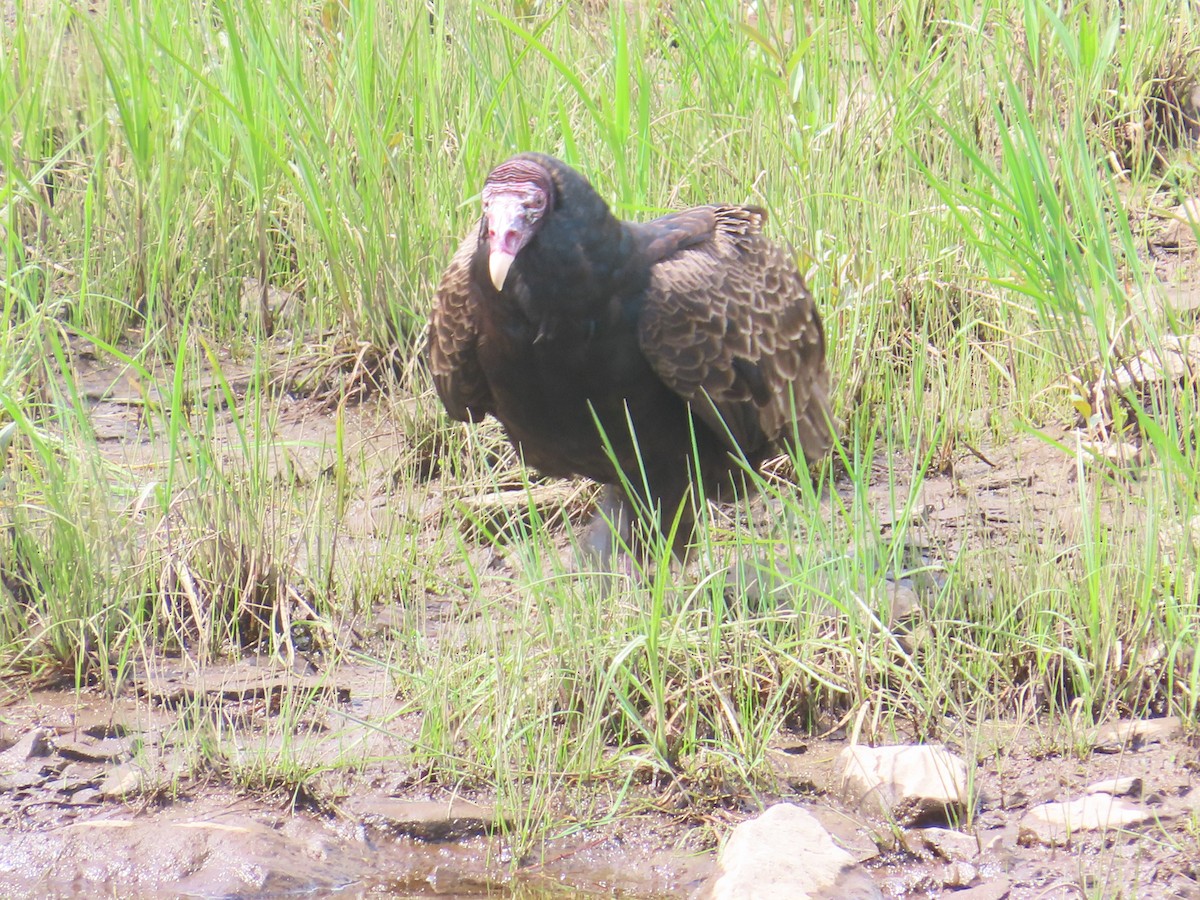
498 265
510 227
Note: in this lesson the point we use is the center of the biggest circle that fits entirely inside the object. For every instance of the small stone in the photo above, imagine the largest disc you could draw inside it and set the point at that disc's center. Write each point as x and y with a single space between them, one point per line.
907 783
1180 229
995 840
86 795
1053 824
32 745
997 888
21 781
904 601
786 854
75 776
428 820
903 882
107 750
1118 787
947 844
121 780
959 875
1134 734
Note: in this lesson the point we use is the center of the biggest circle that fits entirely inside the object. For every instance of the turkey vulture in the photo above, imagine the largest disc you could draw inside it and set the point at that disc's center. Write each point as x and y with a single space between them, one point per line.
670 347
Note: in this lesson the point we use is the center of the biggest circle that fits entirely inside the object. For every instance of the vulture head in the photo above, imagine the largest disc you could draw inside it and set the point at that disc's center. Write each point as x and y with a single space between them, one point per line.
516 196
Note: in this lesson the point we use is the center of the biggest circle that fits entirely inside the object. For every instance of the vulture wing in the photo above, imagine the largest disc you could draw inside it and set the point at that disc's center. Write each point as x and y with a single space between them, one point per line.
729 326
453 336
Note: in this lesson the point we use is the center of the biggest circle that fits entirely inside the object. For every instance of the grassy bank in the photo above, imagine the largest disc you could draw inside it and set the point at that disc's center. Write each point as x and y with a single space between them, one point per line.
238 210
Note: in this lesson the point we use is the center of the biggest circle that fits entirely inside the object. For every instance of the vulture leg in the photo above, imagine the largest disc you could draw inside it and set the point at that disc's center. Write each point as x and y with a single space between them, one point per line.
611 527
615 526
676 499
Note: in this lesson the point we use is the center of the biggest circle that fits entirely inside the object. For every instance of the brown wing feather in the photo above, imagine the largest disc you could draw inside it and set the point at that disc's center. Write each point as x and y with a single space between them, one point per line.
729 325
453 336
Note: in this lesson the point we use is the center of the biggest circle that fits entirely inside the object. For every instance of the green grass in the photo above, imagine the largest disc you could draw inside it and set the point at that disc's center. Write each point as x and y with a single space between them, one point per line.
965 186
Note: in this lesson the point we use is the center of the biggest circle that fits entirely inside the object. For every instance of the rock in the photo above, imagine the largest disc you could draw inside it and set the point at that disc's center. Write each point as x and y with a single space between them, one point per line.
1133 734
429 820
952 846
1182 224
74 777
997 888
122 780
18 769
85 796
107 750
21 781
1118 787
32 745
1182 299
904 601
904 882
786 854
1053 824
907 783
959 875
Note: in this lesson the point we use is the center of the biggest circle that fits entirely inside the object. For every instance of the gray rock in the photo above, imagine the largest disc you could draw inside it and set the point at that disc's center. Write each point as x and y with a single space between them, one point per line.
959 875
901 881
906 783
21 781
1133 734
23 765
1053 824
86 795
121 780
75 776
106 750
32 745
944 843
429 820
1118 787
997 888
786 854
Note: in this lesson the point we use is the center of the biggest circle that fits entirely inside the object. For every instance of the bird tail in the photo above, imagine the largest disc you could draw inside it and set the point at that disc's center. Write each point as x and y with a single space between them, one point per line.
815 427
740 221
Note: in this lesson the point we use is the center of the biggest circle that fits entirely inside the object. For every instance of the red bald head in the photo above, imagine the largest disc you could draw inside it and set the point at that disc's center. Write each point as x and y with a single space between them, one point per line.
516 196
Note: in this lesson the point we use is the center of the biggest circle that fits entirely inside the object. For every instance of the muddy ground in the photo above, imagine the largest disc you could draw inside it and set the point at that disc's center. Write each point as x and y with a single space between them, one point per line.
104 796
195 834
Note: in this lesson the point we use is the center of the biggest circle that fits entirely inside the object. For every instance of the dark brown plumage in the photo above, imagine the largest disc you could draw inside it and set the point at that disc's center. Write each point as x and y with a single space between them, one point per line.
554 316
